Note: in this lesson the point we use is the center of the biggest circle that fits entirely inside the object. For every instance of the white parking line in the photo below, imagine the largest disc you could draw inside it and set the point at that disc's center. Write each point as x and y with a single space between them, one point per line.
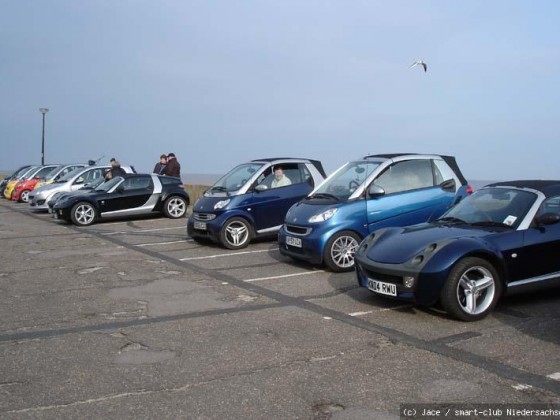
284 276
164 243
124 232
231 254
555 376
360 313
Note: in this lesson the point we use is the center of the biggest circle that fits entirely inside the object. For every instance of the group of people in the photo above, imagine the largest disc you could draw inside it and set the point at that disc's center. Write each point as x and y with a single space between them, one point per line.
168 165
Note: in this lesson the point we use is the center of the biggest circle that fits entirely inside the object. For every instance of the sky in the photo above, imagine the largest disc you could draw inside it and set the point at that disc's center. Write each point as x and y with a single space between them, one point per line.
221 82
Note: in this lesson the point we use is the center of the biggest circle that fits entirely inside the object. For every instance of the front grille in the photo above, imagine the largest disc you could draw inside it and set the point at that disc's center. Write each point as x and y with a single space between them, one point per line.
204 217
387 278
298 230
40 202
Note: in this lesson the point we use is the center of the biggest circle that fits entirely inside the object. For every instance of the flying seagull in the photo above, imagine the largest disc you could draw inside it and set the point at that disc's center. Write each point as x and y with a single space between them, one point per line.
419 63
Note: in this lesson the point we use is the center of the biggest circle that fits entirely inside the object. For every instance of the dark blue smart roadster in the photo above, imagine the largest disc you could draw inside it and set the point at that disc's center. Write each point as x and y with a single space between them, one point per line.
503 238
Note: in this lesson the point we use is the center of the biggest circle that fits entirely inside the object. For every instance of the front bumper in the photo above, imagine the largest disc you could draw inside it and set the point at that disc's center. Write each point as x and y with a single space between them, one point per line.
312 246
425 291
38 202
212 227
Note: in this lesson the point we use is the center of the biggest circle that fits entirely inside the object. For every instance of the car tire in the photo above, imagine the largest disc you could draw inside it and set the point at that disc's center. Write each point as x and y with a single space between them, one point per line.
24 196
175 207
471 290
236 233
83 214
339 251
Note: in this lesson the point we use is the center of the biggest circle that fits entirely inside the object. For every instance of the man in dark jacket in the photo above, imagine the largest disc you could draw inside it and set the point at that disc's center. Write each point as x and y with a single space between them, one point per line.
160 166
115 170
173 167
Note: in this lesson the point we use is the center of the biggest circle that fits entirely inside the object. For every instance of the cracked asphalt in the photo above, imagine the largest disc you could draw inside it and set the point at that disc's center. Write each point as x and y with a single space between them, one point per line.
133 319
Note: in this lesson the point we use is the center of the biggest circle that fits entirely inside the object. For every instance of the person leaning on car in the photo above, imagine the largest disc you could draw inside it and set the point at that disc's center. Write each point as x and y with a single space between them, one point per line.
160 166
115 170
173 167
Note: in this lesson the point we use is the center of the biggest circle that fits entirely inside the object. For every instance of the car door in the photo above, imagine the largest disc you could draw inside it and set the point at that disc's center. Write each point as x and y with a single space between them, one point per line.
270 206
130 195
541 247
411 195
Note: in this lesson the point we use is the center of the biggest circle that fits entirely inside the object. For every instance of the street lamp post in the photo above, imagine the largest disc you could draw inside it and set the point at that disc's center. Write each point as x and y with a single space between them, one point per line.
43 111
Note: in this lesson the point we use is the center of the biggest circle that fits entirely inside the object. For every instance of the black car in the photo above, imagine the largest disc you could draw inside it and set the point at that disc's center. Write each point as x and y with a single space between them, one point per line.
135 194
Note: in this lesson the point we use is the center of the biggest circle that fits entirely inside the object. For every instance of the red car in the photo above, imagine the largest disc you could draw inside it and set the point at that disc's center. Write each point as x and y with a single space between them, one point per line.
24 186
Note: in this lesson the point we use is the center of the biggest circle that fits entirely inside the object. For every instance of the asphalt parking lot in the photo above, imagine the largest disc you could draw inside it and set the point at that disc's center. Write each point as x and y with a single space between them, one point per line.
132 319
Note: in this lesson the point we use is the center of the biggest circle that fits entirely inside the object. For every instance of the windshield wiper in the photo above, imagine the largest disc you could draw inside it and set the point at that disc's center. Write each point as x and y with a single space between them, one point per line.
324 195
491 224
451 220
218 188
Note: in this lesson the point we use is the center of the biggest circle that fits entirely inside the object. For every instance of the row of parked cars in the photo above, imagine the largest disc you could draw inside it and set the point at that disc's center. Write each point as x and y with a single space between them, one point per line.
408 224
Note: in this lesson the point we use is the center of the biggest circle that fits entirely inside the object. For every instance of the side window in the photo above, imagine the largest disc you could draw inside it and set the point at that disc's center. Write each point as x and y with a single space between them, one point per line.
294 172
442 171
265 176
136 183
407 175
550 205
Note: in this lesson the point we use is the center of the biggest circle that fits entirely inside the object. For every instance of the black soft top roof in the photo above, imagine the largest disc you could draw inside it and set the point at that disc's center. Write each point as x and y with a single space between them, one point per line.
318 165
450 160
547 187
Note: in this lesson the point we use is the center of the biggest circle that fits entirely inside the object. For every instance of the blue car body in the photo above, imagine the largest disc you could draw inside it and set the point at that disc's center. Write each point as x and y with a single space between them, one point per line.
514 236
243 204
362 209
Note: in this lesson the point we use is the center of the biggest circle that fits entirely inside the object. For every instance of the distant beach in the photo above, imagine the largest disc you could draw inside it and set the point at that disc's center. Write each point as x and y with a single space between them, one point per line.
200 179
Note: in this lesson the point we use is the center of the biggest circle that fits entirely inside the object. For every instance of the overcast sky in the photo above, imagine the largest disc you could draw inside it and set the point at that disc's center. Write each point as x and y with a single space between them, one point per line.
226 81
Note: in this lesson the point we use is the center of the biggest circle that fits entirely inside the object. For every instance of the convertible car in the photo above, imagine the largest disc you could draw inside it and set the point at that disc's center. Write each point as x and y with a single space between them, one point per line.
504 238
135 194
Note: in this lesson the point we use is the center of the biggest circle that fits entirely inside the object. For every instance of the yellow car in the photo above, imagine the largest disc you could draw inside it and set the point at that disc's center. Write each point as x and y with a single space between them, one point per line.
12 184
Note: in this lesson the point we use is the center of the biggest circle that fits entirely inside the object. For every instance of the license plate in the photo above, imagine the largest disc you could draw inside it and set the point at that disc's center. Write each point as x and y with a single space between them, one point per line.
382 287
200 225
290 240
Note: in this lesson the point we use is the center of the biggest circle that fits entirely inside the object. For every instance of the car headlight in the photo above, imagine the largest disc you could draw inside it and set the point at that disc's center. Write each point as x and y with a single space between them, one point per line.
221 204
321 217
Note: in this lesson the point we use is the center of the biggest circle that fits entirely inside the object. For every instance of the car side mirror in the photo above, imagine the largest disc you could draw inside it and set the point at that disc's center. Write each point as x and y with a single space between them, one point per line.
375 191
547 219
80 180
448 185
261 188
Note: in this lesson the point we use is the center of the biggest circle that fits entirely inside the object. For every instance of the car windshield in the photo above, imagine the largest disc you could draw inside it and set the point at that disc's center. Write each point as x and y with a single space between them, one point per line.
27 172
346 180
106 186
20 172
505 207
236 178
70 175
53 172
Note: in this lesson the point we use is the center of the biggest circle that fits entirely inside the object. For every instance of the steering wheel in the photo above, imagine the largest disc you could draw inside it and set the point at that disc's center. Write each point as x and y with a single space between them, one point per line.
353 184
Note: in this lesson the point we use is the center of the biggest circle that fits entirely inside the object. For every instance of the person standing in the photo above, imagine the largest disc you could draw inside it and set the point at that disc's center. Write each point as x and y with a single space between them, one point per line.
160 166
173 167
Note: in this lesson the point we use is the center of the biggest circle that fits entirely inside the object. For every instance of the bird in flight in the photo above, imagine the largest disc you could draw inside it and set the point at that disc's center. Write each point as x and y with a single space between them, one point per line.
419 63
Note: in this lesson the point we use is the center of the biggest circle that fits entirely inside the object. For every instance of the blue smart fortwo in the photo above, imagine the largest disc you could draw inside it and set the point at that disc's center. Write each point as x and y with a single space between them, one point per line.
252 199
364 195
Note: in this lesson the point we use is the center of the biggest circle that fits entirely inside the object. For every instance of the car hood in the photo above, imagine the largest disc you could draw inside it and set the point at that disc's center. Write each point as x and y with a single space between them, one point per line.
50 187
301 212
398 245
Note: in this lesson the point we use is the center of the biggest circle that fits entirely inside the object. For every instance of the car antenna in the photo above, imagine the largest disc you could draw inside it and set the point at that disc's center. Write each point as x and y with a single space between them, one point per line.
92 162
